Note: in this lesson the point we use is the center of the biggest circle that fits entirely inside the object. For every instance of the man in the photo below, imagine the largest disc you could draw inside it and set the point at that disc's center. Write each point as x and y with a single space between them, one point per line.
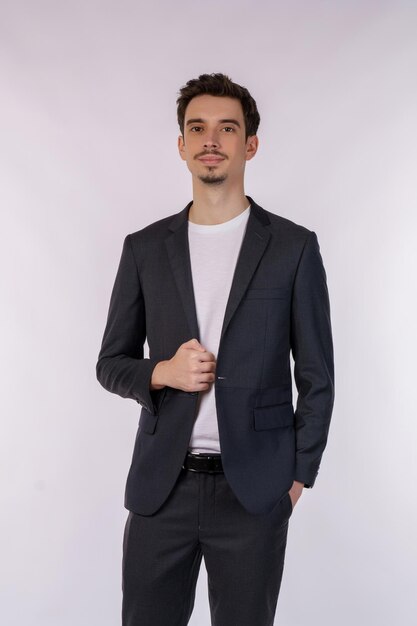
223 291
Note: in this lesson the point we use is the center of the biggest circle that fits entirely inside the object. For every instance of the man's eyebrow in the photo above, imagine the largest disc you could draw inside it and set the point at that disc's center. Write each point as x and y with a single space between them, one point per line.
199 120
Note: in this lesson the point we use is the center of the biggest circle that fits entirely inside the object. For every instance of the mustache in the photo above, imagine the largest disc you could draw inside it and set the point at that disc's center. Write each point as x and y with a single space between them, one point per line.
199 156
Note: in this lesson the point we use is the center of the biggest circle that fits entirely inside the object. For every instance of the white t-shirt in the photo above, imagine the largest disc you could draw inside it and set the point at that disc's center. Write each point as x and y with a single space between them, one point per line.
214 249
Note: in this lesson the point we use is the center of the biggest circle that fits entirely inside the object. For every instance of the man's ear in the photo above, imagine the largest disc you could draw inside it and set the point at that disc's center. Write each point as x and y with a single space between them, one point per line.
251 146
181 147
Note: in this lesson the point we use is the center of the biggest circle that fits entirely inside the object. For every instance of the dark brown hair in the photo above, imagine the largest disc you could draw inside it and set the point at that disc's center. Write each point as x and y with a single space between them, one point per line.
219 85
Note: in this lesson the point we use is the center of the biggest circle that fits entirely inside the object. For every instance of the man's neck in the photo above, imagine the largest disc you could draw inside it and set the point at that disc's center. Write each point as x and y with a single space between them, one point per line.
216 208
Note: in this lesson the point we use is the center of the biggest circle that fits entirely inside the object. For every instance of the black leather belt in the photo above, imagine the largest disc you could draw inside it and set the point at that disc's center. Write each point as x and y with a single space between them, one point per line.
201 462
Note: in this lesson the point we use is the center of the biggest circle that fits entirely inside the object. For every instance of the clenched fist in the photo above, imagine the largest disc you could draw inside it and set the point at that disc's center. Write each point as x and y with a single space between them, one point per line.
191 368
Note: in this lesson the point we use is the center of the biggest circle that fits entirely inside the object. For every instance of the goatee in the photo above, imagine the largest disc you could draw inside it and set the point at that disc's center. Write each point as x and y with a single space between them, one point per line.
213 180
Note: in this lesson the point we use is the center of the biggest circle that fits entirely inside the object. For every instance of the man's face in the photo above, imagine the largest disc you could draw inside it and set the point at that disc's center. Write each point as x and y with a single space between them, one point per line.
214 145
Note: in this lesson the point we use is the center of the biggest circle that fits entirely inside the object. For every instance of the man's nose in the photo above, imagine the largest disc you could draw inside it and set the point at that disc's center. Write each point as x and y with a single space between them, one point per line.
211 141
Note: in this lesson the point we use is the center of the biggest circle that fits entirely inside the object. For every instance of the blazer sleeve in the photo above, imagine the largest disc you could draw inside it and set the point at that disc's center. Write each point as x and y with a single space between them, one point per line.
312 349
121 368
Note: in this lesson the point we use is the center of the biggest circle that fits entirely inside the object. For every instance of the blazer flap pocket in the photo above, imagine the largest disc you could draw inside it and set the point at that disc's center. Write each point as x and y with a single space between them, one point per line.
273 416
147 421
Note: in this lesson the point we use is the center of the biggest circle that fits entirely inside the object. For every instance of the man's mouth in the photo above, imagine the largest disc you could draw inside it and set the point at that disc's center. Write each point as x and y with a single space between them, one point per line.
211 159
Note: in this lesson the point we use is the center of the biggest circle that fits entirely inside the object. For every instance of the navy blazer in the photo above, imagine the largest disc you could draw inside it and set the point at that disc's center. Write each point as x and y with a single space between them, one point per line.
278 305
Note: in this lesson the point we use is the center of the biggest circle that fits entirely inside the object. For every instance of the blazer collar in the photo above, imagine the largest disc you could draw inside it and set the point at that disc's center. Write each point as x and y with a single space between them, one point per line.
253 246
256 211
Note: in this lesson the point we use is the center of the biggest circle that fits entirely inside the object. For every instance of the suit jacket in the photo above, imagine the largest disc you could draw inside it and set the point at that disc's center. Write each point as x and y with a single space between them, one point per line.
278 305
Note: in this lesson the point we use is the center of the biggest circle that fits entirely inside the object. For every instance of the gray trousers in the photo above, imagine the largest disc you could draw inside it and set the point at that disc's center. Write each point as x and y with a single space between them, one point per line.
243 554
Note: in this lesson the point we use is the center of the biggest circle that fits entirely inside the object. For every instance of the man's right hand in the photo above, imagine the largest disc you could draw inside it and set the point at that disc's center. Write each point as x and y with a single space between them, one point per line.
191 369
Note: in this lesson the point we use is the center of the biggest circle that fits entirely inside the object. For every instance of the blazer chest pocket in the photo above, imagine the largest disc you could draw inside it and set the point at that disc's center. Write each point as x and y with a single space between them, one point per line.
268 293
274 416
147 422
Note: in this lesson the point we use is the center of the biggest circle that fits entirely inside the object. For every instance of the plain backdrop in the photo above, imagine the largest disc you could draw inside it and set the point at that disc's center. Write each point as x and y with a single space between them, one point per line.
88 153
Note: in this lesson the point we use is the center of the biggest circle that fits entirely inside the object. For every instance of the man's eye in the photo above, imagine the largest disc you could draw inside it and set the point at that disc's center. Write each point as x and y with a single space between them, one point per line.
229 127
192 128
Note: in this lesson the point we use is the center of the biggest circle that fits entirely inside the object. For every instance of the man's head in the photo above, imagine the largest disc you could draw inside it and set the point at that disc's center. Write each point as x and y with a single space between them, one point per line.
217 118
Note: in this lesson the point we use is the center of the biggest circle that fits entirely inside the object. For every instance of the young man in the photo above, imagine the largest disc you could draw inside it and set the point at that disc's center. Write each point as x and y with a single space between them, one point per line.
223 291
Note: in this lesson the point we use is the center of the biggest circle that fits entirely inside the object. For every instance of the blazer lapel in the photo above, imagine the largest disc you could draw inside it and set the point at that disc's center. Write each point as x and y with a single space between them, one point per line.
252 249
179 258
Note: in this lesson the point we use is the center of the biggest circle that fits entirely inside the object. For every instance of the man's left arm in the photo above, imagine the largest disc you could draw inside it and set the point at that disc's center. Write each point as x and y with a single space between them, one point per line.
312 349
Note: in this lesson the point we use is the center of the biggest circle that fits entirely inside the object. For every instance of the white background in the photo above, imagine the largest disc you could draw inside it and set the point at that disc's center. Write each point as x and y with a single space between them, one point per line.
88 153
